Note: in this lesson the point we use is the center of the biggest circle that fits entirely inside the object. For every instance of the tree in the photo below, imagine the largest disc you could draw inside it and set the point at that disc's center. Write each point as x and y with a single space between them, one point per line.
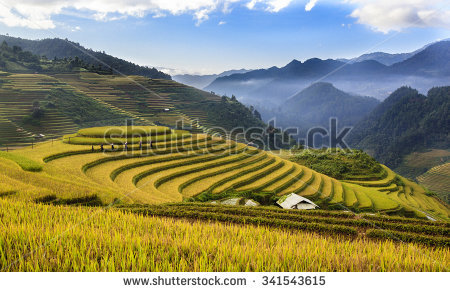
257 115
233 98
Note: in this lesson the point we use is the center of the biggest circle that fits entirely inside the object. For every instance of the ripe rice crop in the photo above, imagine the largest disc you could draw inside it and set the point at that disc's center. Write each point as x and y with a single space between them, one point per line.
124 131
25 163
92 239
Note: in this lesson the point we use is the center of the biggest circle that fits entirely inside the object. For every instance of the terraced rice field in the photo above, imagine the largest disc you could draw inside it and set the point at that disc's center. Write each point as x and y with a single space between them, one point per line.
146 101
17 95
184 166
437 179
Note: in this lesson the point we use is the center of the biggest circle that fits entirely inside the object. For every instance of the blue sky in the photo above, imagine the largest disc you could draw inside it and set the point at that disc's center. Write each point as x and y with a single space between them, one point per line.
212 36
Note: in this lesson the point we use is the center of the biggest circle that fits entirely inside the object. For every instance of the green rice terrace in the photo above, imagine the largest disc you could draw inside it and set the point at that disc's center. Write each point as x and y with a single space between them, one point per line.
39 107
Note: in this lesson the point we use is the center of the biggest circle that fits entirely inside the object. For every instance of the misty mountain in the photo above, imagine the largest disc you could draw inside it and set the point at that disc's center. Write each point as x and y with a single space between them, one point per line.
316 104
381 57
433 61
60 49
404 122
386 58
423 70
201 81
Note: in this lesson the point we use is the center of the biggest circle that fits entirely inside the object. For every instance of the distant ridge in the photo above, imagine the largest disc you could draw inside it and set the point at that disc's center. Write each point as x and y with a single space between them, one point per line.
428 67
201 81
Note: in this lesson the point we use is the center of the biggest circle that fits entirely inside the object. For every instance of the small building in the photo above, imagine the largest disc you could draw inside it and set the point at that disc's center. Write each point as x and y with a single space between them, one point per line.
294 201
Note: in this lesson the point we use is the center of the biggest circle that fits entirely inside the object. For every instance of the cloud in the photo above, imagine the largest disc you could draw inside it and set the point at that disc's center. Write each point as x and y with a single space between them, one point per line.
269 5
222 22
390 15
310 5
37 14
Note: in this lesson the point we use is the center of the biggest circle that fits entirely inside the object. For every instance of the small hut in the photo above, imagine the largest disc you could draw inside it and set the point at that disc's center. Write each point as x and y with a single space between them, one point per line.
294 201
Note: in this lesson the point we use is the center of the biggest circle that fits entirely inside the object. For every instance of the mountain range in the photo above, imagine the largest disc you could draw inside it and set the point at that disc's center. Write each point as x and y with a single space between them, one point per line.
387 58
201 81
268 87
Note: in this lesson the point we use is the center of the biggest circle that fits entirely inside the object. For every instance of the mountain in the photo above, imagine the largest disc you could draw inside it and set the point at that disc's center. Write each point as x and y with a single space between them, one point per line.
387 58
60 49
406 121
427 68
316 104
433 61
45 99
381 57
201 81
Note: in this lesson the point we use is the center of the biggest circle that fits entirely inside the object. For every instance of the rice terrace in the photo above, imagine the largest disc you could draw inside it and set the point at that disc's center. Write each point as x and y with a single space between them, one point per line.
155 178
291 138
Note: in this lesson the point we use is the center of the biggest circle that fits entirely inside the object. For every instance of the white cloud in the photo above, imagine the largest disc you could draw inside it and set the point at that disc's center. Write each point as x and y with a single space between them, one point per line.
222 22
380 15
37 14
310 5
277 5
396 15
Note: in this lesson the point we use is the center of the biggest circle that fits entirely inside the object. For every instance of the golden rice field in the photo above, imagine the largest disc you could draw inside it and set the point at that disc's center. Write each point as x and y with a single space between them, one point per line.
44 227
171 166
97 239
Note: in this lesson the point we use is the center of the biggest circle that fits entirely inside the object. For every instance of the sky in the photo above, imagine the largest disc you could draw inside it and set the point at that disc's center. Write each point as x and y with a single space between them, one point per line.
211 36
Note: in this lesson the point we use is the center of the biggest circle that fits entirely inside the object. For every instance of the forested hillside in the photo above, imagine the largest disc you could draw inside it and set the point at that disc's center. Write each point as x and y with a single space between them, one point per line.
405 122
65 49
315 105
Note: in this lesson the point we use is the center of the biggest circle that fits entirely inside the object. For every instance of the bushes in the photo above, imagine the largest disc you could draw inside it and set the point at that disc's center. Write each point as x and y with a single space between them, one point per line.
90 200
338 163
25 163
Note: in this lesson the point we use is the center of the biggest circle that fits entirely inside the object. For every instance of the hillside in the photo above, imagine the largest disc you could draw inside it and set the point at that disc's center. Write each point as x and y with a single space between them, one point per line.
179 166
44 99
57 104
315 105
432 61
140 188
423 69
60 49
405 122
437 180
